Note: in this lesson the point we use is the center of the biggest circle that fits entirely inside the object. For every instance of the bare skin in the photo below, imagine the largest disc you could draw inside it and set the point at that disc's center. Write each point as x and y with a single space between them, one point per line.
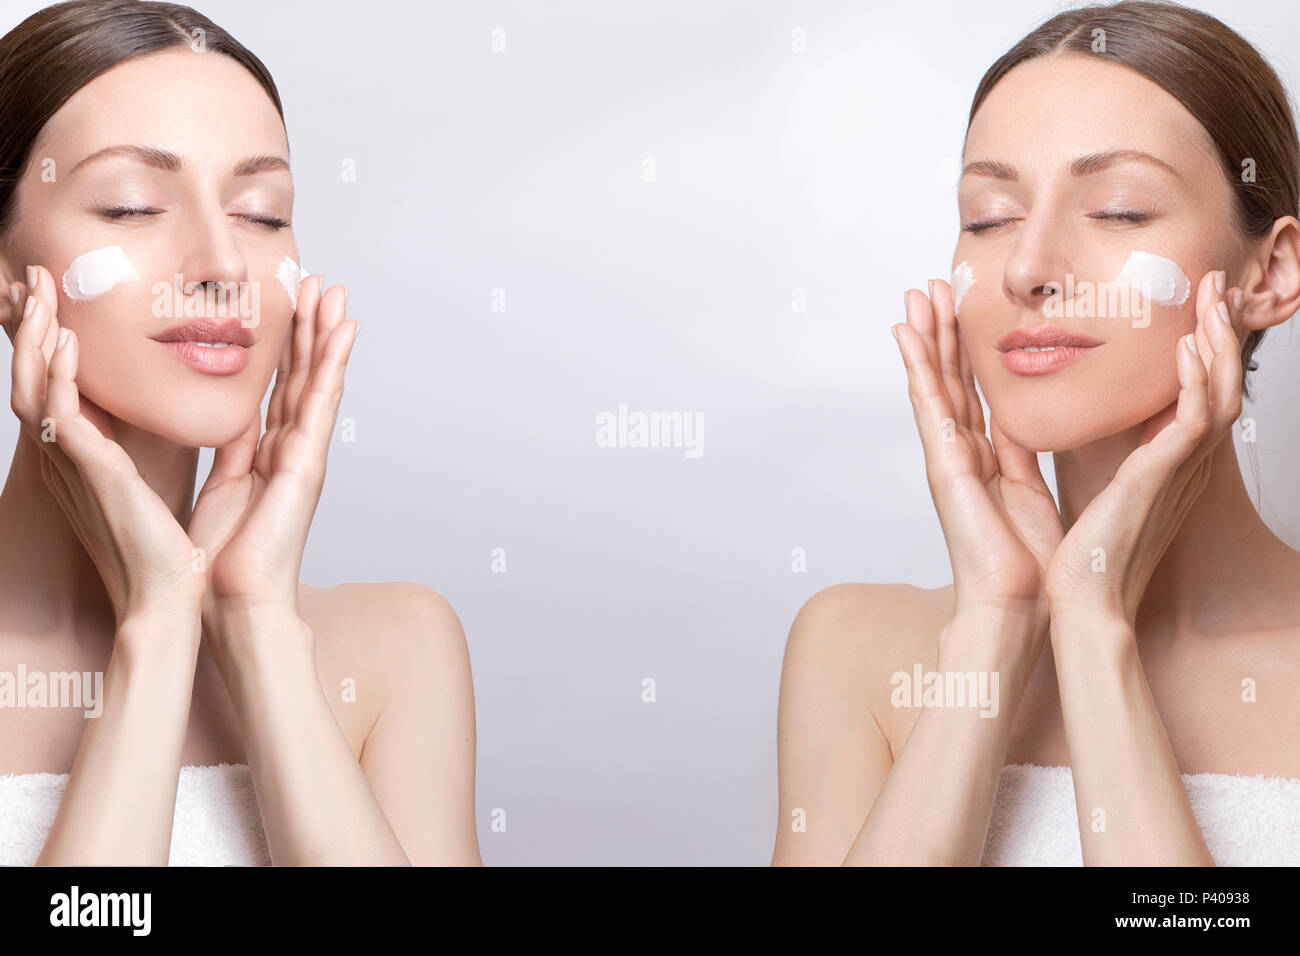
236 660
1148 658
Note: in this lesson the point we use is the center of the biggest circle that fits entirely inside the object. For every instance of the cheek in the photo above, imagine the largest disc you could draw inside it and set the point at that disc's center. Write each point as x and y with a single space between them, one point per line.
94 273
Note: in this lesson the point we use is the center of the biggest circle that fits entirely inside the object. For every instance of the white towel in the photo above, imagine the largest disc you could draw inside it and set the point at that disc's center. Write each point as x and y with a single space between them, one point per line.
217 822
1246 821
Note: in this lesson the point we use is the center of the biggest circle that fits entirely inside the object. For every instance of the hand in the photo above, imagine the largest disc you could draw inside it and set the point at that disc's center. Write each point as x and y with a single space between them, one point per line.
254 511
999 518
142 554
1130 524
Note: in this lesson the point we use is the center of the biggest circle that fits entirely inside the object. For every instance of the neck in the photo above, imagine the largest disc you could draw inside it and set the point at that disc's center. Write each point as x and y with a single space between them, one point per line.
48 579
1224 570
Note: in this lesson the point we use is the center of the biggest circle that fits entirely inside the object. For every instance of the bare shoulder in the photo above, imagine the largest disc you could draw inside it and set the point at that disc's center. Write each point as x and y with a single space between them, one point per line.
376 638
849 638
836 733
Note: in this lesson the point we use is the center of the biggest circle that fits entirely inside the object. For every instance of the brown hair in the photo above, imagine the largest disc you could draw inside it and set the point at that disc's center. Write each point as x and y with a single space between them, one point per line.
56 51
1215 74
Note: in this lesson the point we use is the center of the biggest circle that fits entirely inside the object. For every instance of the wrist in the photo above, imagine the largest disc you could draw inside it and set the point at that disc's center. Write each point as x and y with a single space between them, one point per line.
1101 636
253 636
999 637
158 638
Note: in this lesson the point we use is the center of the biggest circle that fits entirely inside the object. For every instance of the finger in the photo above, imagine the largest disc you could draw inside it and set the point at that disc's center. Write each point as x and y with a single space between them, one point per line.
304 335
1015 461
920 315
1225 372
321 404
974 408
93 456
275 407
1174 444
235 459
329 313
30 367
1207 299
930 402
949 353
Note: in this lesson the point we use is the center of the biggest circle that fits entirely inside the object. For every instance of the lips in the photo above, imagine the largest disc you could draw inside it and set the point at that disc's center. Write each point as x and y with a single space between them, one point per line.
214 348
230 332
1042 349
1042 337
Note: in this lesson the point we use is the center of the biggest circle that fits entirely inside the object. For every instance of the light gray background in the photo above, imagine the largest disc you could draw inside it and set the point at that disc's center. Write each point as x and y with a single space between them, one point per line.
829 171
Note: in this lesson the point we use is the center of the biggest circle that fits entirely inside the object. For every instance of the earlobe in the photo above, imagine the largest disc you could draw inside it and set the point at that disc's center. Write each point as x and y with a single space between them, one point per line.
8 312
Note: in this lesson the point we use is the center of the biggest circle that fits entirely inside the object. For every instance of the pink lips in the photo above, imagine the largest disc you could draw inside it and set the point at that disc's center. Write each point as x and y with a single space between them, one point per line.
182 341
1065 347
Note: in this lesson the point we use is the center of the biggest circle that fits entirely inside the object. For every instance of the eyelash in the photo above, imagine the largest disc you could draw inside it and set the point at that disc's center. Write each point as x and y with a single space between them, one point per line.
121 212
1119 215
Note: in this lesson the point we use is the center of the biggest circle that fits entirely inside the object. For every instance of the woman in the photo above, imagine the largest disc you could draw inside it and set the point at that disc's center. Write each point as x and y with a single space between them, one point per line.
152 288
1133 654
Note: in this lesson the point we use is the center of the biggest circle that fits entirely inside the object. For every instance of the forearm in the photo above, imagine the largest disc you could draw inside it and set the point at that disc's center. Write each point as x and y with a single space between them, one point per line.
935 806
1132 805
317 806
120 799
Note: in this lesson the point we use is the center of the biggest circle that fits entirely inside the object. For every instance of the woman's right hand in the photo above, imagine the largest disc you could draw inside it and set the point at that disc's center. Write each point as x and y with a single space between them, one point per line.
142 553
999 518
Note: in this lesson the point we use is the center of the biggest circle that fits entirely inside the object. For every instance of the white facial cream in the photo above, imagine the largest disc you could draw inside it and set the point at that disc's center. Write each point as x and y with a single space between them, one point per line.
94 273
963 277
291 275
1161 279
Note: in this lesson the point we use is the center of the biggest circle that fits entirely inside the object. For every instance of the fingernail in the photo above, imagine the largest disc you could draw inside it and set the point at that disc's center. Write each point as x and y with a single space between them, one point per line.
1220 282
31 277
31 304
1191 344
1238 297
63 337
905 299
1223 313
893 330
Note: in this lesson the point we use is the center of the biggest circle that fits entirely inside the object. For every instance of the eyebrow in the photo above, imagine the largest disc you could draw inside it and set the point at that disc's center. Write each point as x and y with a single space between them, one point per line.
170 162
1080 166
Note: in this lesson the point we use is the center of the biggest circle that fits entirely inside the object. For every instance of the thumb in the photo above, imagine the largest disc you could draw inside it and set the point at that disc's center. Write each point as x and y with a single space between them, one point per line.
1017 463
235 459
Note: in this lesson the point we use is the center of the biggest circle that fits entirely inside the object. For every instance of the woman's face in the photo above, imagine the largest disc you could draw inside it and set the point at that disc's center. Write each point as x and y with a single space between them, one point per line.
1043 168
181 160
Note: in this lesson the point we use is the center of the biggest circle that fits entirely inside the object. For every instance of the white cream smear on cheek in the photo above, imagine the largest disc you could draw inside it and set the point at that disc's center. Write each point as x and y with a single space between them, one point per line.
291 275
963 277
1166 282
93 273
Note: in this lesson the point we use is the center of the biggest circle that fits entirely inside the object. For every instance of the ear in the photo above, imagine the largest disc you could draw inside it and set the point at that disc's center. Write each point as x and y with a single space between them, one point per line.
1272 281
9 313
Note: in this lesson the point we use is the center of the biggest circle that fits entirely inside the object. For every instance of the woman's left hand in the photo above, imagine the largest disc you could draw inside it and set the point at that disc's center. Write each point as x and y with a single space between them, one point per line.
1105 561
254 512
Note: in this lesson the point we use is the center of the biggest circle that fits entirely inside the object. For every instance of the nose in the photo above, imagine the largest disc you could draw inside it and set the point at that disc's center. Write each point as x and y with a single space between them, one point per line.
1038 260
212 258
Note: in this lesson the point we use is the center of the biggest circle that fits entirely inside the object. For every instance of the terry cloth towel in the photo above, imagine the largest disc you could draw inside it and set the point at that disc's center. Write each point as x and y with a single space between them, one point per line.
217 822
1246 821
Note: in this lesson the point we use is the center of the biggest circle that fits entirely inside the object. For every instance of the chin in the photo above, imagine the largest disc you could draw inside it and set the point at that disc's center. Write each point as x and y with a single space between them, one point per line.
193 423
1046 427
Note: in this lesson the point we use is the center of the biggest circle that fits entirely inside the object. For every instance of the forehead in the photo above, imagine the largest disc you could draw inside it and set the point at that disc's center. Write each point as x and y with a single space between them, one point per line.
1048 110
206 107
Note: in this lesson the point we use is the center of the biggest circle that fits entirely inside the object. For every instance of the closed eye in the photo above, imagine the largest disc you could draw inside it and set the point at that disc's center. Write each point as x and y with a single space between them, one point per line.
116 213
275 222
1122 215
124 212
983 224
1117 215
